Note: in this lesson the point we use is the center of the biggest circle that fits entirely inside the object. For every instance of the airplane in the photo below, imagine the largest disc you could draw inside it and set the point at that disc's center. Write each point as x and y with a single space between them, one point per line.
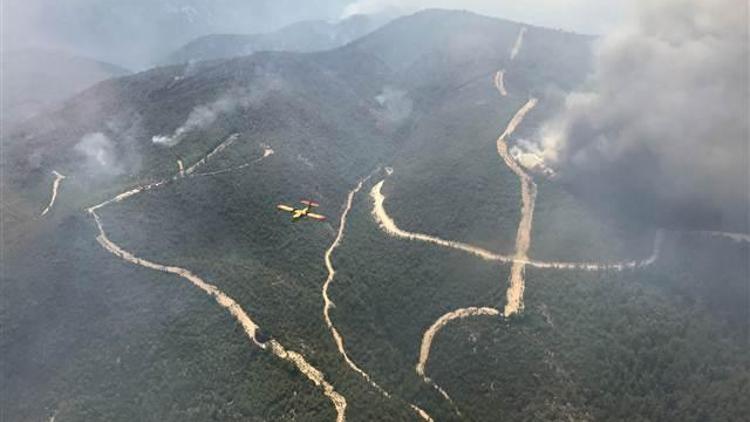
299 213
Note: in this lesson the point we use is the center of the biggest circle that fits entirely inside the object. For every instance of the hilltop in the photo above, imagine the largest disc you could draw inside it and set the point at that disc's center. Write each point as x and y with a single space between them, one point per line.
305 36
164 284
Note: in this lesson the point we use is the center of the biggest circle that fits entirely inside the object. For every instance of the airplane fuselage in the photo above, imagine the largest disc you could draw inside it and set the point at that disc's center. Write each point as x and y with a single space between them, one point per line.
300 213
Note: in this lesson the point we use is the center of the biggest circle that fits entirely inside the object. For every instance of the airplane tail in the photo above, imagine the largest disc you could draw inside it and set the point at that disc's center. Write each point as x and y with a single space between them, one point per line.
309 203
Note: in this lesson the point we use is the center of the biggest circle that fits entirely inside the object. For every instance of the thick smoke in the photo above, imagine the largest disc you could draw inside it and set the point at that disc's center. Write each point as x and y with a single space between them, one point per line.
203 116
665 125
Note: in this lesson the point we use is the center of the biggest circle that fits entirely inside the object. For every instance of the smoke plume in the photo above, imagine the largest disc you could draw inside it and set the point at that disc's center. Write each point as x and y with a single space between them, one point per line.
664 127
203 116
99 155
396 107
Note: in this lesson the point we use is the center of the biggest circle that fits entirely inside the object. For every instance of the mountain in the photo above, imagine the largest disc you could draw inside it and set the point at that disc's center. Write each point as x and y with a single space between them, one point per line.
305 36
34 80
186 295
140 33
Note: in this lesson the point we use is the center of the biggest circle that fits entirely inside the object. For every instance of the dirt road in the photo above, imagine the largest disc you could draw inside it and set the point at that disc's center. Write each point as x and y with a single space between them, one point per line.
500 82
516 285
519 42
387 224
55 187
328 303
249 326
221 147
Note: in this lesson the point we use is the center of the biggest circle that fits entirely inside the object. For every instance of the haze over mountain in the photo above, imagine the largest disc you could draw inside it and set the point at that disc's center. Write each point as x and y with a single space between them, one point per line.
34 80
138 34
302 36
461 274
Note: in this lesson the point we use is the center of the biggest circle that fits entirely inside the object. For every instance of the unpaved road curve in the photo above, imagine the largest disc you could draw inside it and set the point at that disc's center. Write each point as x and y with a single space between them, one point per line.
617 266
249 326
500 82
387 224
429 336
55 186
328 303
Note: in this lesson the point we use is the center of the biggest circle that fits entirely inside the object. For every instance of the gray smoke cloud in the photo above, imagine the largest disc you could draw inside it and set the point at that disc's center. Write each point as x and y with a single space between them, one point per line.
665 122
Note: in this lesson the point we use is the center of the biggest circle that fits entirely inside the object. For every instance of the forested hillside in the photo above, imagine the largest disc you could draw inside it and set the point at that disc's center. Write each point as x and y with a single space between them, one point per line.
163 282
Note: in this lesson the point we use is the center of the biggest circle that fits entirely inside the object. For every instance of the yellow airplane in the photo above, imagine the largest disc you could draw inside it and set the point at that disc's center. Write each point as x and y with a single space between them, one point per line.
300 213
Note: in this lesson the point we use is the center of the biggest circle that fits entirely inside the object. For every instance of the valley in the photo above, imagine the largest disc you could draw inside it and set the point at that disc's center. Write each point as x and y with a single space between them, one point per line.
449 282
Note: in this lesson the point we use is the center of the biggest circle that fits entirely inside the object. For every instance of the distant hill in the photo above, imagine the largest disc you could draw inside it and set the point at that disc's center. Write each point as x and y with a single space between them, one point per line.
34 80
305 36
428 56
138 34
89 336
438 46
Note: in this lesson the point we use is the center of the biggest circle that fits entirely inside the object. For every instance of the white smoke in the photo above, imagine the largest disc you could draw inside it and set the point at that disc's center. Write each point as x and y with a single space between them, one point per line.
99 154
667 113
203 116
396 107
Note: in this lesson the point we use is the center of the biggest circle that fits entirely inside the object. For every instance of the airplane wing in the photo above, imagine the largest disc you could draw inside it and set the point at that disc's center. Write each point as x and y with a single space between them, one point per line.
316 216
286 208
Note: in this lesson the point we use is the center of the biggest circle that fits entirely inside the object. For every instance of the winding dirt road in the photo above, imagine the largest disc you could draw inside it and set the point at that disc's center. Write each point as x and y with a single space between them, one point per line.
523 236
55 186
594 266
328 303
519 261
514 303
389 226
249 326
429 336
